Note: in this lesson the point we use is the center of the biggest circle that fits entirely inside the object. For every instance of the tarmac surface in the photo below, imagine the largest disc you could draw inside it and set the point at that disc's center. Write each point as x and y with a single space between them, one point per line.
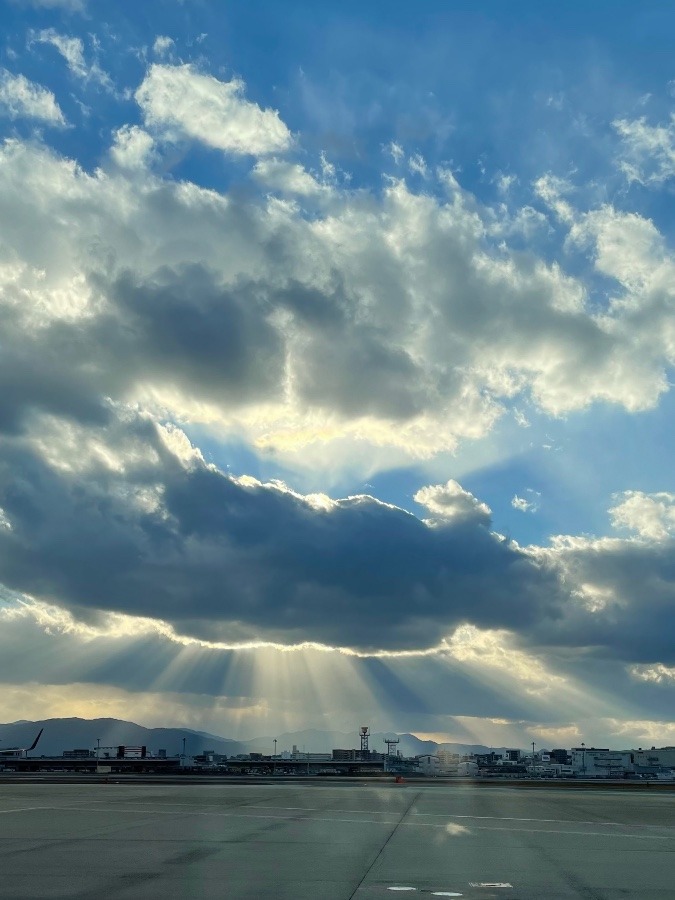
331 841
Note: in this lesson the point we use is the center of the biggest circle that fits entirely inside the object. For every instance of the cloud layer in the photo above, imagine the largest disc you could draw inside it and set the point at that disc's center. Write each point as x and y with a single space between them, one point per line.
394 316
278 304
137 529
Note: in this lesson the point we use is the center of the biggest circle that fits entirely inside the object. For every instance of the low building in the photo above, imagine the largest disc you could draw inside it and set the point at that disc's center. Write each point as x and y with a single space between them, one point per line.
487 759
663 758
550 770
560 756
448 759
301 756
600 762
505 770
339 755
428 764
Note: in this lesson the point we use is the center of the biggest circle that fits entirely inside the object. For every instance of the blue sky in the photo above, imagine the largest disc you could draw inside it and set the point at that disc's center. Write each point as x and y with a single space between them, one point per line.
339 340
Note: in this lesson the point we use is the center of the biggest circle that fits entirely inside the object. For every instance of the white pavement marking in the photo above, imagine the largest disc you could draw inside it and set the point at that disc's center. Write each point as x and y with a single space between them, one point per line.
337 821
490 884
385 812
607 834
445 894
401 889
550 821
6 812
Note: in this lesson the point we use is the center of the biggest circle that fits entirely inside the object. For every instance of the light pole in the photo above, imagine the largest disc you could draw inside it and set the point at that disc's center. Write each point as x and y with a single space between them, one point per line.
583 758
274 758
98 748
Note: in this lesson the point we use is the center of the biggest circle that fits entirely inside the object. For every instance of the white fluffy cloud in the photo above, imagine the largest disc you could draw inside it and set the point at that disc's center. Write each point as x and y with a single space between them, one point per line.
651 516
656 673
388 318
287 178
21 98
132 147
625 246
179 101
450 502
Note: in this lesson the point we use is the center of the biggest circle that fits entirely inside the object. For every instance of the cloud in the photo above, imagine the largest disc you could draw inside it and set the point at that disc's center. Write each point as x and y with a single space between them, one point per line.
622 597
68 5
286 177
451 503
396 151
162 44
417 165
131 527
495 650
651 516
626 246
21 98
648 155
472 687
129 299
179 101
644 732
72 51
657 674
387 319
132 147
557 736
523 504
70 48
479 686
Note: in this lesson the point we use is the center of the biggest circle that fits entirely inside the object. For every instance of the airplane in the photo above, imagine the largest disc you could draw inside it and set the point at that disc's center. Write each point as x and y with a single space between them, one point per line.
17 751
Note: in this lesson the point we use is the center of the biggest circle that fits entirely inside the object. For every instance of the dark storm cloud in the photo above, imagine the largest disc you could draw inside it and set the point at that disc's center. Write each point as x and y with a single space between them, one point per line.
629 606
225 560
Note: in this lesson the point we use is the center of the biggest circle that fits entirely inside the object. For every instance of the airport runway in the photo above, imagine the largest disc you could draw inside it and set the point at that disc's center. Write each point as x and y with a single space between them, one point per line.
333 842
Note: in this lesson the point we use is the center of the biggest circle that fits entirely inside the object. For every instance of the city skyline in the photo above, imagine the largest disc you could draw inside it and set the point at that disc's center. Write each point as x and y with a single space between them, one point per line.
337 355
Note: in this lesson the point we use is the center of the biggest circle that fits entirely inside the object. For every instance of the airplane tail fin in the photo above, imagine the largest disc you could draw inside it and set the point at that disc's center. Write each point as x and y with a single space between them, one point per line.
35 742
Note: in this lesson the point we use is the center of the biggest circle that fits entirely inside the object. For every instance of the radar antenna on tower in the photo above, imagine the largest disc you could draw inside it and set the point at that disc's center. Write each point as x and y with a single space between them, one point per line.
365 734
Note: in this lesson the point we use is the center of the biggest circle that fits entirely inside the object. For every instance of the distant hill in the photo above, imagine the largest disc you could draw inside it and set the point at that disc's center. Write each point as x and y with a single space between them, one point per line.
68 734
315 741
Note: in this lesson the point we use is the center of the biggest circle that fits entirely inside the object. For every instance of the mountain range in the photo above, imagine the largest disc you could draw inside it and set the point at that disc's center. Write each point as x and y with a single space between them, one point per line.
69 734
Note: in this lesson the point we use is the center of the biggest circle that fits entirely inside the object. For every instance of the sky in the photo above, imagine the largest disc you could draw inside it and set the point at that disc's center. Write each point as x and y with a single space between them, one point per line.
336 347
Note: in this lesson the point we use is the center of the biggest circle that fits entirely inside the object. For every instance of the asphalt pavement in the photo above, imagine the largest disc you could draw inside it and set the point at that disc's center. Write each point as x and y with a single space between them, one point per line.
333 842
